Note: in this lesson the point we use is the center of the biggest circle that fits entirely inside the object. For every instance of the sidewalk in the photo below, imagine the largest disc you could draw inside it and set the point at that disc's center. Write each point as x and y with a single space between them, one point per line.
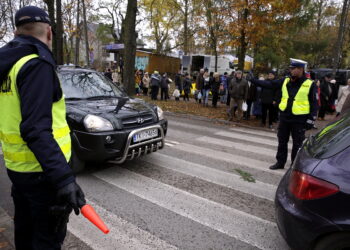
6 231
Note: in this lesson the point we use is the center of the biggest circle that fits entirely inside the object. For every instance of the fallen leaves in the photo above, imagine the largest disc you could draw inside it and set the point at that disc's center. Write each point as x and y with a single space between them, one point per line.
194 108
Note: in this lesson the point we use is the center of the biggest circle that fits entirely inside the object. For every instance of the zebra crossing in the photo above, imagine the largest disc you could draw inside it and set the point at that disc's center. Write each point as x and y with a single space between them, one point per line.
190 195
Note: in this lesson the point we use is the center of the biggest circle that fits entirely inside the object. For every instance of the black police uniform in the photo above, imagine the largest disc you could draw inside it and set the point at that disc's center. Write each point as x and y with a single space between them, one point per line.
290 124
35 194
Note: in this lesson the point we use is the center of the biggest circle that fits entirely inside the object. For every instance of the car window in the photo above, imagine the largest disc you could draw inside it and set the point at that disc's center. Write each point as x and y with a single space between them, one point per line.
82 85
331 140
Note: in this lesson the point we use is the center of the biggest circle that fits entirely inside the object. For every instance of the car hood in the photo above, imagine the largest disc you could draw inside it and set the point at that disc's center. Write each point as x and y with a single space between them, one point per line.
114 110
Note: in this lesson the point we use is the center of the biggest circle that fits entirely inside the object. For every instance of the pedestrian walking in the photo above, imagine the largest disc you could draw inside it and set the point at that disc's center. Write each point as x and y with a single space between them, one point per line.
251 98
267 98
35 136
223 88
164 91
215 85
199 84
187 83
298 107
146 81
115 77
178 81
206 87
238 90
326 93
108 74
155 84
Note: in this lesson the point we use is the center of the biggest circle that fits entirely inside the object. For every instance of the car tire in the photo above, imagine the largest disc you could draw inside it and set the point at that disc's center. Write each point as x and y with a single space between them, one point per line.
76 163
336 241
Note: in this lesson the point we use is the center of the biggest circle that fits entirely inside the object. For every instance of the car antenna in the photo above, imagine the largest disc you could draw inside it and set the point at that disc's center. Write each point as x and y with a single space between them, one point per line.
121 103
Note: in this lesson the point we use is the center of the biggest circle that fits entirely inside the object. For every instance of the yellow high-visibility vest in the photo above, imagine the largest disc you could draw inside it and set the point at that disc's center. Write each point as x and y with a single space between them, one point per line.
301 104
18 157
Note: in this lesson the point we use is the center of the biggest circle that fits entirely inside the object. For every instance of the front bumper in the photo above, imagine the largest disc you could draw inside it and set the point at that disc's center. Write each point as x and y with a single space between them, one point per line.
298 225
116 145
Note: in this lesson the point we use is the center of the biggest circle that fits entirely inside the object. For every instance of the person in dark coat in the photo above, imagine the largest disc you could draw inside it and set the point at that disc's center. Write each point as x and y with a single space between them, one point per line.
155 85
164 91
179 81
267 96
326 93
108 74
215 85
199 83
238 89
229 78
187 83
251 97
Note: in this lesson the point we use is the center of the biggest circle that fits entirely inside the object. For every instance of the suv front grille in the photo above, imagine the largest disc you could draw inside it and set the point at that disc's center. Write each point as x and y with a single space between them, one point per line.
137 121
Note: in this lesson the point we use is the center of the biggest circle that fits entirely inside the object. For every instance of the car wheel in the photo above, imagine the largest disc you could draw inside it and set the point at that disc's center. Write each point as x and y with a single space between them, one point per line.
76 164
339 241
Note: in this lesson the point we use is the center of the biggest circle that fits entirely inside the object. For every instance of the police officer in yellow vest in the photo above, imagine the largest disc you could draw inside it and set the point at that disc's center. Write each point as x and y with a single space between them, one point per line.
298 108
35 136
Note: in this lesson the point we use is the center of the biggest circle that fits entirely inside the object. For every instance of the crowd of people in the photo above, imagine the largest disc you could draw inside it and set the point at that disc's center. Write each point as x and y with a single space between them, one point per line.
242 98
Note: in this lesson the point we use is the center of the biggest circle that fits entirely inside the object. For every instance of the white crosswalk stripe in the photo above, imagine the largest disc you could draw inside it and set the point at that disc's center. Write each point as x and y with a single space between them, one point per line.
259 189
238 145
250 229
123 235
230 157
178 183
170 143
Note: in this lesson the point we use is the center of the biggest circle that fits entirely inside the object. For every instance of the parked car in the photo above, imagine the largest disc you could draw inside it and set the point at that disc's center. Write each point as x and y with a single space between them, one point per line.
313 198
105 123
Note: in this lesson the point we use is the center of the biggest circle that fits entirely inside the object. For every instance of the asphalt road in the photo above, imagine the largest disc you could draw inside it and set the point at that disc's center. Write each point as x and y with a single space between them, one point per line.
189 195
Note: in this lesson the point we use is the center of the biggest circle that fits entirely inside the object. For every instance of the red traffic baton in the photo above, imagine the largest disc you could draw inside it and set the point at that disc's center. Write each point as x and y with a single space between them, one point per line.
90 213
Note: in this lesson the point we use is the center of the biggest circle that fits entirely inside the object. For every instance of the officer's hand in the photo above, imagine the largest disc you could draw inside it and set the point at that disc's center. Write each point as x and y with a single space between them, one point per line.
309 124
72 195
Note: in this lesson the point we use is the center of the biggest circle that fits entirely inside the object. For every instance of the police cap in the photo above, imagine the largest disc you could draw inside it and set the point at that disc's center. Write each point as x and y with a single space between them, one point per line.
297 63
31 14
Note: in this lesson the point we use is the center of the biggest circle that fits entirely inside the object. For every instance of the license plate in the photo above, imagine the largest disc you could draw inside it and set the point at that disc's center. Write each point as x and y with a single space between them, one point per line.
144 135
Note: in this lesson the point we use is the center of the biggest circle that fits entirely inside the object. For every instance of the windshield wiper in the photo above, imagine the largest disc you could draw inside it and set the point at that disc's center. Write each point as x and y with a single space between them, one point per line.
74 98
99 97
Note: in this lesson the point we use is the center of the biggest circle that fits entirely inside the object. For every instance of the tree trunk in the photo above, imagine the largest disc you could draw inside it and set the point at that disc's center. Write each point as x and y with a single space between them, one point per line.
130 47
77 35
340 39
51 9
86 36
243 43
186 28
59 33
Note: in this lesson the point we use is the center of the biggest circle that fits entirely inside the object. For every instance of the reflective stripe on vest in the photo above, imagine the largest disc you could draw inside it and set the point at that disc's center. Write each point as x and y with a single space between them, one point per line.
18 157
301 104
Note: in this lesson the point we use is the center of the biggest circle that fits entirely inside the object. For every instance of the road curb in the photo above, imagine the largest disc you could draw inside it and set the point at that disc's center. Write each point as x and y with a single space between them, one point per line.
6 231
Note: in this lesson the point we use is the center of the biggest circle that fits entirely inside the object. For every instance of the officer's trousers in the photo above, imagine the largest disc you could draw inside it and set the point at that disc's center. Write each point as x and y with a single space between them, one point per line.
285 129
35 226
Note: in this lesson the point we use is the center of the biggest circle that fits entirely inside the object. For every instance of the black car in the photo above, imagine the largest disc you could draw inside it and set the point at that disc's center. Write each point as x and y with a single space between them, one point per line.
341 75
105 123
313 198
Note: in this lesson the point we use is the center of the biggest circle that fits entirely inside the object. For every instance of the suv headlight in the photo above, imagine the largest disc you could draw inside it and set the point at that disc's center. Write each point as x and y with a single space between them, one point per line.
95 123
160 113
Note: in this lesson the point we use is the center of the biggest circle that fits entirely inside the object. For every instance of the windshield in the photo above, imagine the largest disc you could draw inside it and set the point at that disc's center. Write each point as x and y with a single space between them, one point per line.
87 85
331 140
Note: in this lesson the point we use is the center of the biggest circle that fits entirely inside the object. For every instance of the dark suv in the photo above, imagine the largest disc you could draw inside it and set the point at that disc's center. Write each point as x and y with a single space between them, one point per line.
105 123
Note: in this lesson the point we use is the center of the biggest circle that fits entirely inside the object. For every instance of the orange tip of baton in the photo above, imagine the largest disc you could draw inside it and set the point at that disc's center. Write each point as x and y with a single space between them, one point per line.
90 213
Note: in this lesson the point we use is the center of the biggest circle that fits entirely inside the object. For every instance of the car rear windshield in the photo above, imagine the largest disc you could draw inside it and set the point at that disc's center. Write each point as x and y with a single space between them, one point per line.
83 85
331 140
